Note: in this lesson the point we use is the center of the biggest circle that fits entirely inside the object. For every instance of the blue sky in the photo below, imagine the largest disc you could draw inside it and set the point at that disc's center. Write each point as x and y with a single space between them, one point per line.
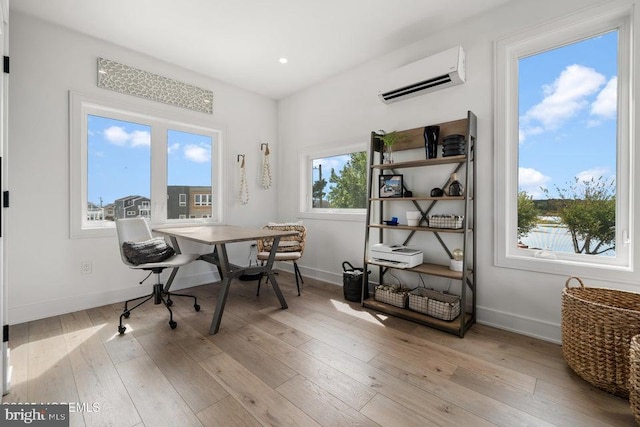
567 111
327 163
119 161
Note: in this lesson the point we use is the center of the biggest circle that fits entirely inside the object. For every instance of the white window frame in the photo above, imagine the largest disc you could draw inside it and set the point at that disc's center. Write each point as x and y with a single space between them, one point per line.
582 25
182 199
305 161
81 106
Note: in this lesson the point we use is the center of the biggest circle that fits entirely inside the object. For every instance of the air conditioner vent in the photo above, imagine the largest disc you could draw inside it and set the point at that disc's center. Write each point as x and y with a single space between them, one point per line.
417 87
435 72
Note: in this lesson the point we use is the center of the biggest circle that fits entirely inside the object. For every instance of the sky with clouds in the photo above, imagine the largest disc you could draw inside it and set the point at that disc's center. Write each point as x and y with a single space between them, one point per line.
567 117
119 159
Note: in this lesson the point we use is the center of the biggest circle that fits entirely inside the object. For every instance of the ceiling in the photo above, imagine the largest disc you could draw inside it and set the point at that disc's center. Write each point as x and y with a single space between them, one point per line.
240 41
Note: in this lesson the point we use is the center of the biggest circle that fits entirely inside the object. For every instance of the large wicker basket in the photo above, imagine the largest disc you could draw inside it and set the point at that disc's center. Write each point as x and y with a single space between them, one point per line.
597 327
634 377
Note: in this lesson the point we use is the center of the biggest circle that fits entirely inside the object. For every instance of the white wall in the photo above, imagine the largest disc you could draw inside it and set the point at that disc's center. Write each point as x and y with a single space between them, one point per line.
43 262
346 108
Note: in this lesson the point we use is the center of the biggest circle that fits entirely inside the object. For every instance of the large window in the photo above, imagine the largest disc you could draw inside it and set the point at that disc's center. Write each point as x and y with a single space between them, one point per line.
334 181
563 151
120 160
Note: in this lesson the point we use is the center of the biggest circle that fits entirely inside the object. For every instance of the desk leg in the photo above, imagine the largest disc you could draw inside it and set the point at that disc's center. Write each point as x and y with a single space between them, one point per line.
167 285
224 288
272 277
176 248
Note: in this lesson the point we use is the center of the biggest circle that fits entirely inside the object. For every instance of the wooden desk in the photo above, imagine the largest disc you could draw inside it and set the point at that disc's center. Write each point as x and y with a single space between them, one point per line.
219 236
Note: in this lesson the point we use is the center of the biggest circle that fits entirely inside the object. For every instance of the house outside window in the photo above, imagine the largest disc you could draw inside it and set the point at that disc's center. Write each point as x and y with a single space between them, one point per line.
563 144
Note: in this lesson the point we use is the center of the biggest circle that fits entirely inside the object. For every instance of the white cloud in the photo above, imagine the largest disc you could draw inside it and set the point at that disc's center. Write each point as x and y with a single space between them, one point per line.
197 153
117 135
606 104
140 138
565 97
173 148
531 181
594 173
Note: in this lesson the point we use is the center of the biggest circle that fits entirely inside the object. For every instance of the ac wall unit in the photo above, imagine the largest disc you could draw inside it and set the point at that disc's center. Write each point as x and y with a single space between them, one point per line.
426 75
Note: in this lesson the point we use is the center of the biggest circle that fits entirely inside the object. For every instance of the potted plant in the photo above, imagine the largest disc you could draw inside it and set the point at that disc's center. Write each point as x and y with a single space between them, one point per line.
388 139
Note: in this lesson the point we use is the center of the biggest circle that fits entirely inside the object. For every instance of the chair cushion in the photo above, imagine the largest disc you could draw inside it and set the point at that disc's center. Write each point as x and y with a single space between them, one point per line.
148 251
281 256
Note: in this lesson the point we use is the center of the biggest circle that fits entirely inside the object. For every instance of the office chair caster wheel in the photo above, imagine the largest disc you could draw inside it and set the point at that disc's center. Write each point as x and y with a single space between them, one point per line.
121 329
126 314
169 303
173 324
197 307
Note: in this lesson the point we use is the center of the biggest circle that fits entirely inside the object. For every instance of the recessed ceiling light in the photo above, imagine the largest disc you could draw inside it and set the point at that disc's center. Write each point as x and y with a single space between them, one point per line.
283 60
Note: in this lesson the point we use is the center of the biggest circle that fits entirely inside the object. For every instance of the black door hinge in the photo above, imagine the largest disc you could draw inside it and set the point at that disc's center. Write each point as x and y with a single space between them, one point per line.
5 199
6 64
5 333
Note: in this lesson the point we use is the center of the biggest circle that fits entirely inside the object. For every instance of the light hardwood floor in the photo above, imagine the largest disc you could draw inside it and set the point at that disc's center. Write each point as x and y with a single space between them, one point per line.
323 361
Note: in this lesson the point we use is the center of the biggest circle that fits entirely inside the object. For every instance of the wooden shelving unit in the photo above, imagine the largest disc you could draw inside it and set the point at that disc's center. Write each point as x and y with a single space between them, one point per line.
412 139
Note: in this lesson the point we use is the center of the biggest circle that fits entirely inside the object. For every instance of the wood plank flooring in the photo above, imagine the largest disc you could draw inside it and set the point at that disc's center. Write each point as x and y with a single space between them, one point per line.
322 362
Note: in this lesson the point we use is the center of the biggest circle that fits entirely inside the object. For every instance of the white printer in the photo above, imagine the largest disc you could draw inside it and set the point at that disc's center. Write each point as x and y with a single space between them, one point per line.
397 256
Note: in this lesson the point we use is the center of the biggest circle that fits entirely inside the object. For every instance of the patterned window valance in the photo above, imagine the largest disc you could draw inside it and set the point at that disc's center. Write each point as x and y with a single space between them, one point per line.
124 79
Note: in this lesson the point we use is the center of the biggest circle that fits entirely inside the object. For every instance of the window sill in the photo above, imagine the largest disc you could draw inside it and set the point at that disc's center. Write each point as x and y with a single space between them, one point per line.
564 267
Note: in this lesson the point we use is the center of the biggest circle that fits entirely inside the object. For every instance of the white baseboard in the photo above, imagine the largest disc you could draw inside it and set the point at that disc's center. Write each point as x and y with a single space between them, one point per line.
58 306
528 326
522 325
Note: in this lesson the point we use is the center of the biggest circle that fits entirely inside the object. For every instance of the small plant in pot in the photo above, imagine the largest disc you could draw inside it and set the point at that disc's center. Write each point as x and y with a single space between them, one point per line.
388 139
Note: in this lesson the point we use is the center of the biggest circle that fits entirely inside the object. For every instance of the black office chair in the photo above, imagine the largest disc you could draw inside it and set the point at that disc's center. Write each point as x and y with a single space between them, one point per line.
139 250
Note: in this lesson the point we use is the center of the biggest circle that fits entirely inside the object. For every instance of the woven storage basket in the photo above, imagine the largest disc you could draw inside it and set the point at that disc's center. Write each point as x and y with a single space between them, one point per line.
445 221
434 303
597 327
634 377
399 299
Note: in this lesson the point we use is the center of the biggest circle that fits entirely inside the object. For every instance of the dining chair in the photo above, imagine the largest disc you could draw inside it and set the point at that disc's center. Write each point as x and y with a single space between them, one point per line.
141 251
290 248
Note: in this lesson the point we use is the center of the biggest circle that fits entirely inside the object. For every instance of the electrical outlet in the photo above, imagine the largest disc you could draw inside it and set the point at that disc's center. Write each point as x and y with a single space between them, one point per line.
86 267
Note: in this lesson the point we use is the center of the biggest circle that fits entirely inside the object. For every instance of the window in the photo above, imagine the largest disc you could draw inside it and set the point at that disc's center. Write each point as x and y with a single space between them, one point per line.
334 181
139 165
563 144
202 200
189 169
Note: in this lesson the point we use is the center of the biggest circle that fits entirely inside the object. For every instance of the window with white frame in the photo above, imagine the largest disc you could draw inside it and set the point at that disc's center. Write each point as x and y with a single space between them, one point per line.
182 200
334 181
119 156
202 200
563 152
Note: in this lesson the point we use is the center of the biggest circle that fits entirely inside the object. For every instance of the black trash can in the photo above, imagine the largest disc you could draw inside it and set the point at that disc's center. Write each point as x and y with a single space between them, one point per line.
352 282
